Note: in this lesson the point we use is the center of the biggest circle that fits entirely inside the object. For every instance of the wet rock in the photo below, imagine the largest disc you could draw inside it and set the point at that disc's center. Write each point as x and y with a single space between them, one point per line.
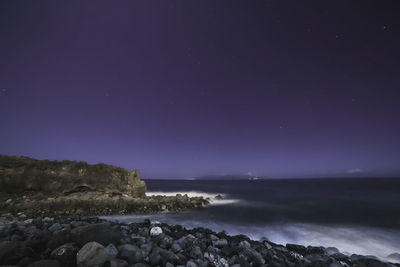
220 243
196 253
55 227
58 238
111 251
118 263
191 264
315 250
297 248
156 231
65 255
176 248
331 250
91 254
132 254
10 252
45 263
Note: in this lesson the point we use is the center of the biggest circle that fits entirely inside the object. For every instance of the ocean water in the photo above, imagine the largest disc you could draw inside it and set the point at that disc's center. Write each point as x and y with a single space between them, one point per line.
359 216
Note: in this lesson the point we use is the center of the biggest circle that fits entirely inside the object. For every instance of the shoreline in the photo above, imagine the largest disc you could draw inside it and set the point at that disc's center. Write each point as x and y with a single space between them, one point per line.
88 240
97 203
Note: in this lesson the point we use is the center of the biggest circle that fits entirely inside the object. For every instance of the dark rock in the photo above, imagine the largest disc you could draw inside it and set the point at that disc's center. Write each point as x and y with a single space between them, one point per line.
103 233
219 197
58 238
155 257
369 262
10 252
191 264
315 250
55 227
176 248
196 253
118 263
331 250
169 256
45 263
37 240
146 249
132 254
91 254
297 248
220 243
65 254
26 261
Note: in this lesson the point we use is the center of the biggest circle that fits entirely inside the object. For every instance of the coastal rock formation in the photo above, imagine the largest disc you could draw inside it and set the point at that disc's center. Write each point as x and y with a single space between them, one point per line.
29 242
18 174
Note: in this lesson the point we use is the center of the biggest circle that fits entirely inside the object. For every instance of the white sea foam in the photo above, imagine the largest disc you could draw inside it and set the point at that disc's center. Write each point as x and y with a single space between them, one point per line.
348 239
210 196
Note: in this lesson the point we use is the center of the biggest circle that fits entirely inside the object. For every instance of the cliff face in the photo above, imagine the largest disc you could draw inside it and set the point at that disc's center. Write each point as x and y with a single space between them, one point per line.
19 174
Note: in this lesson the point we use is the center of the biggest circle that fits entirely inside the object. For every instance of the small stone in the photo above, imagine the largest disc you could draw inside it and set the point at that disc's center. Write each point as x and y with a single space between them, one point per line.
220 243
176 248
118 263
111 251
28 221
8 201
55 227
156 231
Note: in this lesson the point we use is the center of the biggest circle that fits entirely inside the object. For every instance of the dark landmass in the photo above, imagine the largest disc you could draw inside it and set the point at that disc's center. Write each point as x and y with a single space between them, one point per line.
43 187
90 241
230 177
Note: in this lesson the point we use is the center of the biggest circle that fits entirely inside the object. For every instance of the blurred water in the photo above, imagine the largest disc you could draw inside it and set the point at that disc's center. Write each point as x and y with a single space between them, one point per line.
355 215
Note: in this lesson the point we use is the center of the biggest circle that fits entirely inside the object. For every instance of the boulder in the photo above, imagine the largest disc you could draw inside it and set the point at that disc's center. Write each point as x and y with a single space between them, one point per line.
91 254
111 251
132 254
103 233
118 263
220 243
65 255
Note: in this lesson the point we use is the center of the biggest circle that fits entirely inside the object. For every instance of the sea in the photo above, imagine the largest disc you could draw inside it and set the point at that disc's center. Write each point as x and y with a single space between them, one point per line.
355 215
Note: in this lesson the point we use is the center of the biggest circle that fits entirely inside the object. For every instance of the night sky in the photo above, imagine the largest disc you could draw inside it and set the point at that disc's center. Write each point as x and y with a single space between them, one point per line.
180 89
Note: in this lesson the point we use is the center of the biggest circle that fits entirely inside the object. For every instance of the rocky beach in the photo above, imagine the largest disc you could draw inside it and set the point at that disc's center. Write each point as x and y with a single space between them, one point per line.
90 241
49 218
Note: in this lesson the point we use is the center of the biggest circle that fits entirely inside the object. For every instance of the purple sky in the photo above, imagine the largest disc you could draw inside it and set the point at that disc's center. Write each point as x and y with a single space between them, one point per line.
186 88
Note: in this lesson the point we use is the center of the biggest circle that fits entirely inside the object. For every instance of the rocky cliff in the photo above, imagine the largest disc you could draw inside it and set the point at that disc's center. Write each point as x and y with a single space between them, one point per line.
18 174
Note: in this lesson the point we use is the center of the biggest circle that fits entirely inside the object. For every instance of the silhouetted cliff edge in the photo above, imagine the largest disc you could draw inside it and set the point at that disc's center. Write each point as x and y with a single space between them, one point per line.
19 174
43 187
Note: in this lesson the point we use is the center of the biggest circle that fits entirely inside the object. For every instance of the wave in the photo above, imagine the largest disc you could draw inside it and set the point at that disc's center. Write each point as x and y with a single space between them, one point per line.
348 239
210 196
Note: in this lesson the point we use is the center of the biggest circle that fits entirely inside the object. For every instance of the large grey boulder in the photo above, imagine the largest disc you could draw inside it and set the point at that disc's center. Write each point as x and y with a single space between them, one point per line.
91 254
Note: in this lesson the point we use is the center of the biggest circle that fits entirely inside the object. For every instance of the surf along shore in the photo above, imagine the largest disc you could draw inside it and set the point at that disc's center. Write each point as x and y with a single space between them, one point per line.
47 210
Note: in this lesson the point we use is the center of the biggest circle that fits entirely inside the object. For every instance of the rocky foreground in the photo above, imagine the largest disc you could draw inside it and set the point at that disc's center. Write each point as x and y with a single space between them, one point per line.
90 241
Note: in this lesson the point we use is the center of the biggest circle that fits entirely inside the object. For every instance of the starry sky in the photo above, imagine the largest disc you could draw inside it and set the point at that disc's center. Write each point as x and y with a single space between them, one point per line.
180 89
